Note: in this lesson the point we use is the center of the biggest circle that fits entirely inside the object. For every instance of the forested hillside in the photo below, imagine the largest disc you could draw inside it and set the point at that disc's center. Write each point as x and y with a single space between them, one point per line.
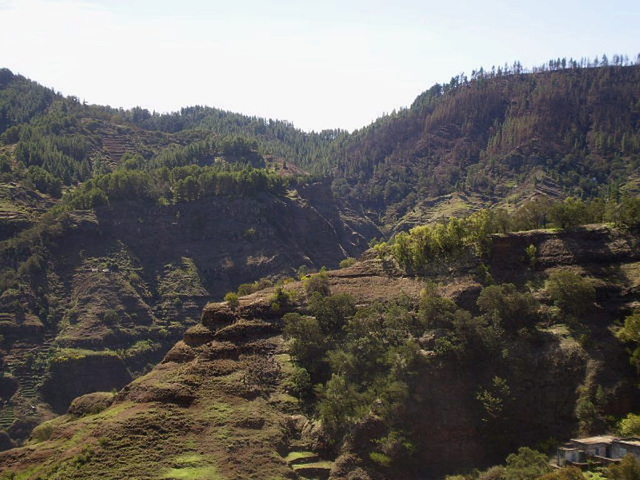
567 129
496 137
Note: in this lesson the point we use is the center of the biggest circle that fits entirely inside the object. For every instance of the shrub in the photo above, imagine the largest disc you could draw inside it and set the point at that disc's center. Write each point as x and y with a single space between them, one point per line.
380 458
627 469
42 432
514 310
232 300
44 181
347 262
435 311
245 289
450 240
332 312
307 342
317 283
32 266
527 464
299 383
630 425
568 214
567 473
493 473
627 214
532 255
493 398
280 299
570 292
248 288
630 333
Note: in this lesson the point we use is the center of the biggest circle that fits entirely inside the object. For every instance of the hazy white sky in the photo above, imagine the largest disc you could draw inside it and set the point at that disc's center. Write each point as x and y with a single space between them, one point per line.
321 64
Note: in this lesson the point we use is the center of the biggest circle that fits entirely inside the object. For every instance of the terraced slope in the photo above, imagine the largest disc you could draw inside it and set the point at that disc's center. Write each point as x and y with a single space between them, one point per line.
220 405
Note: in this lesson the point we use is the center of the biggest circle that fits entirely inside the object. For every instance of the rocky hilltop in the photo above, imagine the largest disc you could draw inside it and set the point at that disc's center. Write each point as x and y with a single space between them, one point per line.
222 403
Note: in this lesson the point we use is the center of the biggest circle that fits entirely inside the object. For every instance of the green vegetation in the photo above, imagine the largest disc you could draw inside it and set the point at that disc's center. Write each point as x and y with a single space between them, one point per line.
570 292
293 456
249 288
627 469
630 425
42 432
192 466
447 241
281 299
630 333
509 308
370 362
368 358
193 473
422 249
527 464
232 299
347 262
181 278
180 184
71 354
317 283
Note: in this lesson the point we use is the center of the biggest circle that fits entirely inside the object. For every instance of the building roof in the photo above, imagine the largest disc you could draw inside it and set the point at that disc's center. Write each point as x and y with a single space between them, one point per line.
594 440
629 441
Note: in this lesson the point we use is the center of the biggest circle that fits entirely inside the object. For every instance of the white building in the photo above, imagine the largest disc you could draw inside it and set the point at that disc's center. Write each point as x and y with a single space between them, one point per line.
599 449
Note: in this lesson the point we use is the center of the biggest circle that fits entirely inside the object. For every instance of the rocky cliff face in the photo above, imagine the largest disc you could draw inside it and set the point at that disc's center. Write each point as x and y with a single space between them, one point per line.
589 247
78 373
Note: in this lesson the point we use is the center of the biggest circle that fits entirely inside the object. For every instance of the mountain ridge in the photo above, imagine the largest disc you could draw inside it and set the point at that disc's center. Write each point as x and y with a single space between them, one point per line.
118 226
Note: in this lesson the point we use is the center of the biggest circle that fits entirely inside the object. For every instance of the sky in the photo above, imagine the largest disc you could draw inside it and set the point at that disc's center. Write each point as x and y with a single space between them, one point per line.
321 64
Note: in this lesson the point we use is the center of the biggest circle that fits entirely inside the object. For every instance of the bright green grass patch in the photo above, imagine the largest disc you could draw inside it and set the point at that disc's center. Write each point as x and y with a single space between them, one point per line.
192 466
114 410
69 354
217 412
298 455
